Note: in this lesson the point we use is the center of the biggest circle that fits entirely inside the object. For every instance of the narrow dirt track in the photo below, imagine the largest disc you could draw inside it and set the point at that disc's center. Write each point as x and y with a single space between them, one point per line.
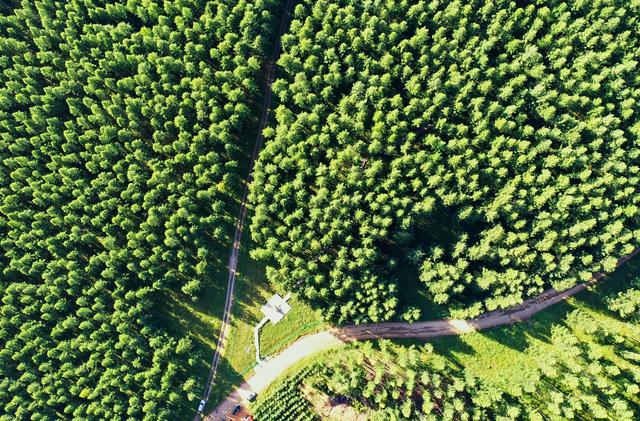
265 374
308 345
237 239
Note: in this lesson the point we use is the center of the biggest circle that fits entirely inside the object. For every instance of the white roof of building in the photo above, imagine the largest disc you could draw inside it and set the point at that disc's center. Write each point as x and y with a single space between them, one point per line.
275 309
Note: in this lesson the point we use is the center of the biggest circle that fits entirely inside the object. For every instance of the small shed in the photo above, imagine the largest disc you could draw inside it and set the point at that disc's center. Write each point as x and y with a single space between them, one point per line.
275 309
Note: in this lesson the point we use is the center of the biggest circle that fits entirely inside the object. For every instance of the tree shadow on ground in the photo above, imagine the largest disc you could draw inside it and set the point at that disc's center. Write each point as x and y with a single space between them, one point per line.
518 337
540 325
200 322
226 380
451 347
251 286
625 277
413 293
511 336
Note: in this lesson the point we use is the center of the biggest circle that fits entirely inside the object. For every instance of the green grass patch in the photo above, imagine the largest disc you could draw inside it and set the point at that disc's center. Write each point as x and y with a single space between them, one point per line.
252 291
499 356
302 320
195 318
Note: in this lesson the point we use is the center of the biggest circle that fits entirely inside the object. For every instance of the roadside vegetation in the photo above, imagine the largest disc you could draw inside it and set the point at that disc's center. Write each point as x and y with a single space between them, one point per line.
576 360
252 291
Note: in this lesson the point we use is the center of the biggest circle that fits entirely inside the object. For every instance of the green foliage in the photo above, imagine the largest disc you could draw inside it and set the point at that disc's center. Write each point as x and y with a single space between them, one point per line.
580 379
119 141
402 383
512 126
627 303
587 370
285 400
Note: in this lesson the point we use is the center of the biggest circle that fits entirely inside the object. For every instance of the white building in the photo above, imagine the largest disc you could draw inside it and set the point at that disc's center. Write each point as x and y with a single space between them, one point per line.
275 309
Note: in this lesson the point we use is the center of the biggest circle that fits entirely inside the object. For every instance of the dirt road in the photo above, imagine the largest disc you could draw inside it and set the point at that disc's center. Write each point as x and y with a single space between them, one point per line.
265 374
311 344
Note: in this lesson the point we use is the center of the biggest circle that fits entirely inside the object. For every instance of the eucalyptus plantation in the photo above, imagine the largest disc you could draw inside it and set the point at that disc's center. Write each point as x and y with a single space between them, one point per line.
495 141
120 127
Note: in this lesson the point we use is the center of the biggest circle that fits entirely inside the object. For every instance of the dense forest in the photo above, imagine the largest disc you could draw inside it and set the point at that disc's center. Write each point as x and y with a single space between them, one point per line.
496 143
120 141
586 369
492 144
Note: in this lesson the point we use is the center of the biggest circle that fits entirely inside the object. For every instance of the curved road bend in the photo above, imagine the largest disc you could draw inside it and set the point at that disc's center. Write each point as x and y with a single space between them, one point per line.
308 345
233 259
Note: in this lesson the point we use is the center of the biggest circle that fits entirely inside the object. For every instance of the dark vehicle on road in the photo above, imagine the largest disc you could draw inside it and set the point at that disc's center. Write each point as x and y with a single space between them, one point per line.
236 409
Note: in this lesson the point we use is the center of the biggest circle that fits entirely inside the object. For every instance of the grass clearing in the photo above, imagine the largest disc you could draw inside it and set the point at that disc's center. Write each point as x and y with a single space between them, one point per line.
199 321
252 291
302 320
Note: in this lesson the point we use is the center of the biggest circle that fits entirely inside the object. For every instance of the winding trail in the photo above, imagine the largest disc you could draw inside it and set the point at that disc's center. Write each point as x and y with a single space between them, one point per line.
237 238
308 345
